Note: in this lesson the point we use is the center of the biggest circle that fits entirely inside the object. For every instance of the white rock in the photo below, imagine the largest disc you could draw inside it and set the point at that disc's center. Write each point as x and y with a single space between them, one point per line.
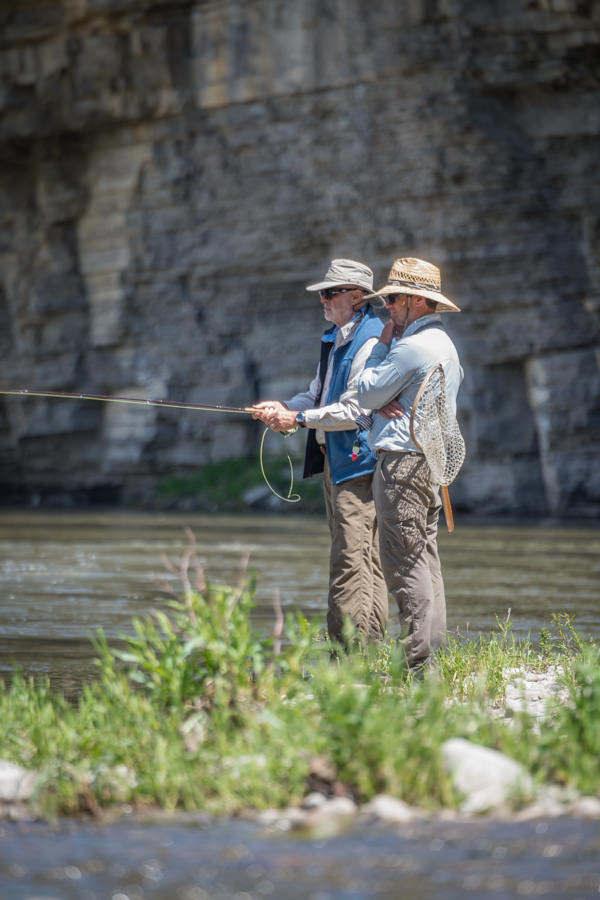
329 819
588 807
390 809
266 817
338 807
280 819
530 691
313 800
332 810
547 806
488 779
16 784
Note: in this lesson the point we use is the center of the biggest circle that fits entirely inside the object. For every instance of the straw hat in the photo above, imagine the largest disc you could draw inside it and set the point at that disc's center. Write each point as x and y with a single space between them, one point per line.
415 276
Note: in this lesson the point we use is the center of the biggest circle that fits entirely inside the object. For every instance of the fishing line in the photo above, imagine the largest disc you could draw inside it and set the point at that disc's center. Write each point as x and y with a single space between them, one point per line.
171 404
291 498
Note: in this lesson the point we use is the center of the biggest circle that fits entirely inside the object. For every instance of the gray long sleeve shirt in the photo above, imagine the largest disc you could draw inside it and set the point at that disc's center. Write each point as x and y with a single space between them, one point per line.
396 374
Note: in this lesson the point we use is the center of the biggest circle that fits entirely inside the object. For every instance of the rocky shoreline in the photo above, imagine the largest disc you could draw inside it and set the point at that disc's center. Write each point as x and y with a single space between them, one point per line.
490 783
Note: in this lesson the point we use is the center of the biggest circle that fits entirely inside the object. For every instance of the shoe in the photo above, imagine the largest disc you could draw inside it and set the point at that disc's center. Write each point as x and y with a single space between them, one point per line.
419 668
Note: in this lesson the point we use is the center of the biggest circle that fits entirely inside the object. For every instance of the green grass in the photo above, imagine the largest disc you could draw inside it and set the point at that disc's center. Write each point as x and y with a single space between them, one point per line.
200 710
222 486
468 663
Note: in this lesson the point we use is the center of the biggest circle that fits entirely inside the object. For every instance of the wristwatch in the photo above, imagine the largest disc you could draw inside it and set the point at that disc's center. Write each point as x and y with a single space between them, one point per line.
300 419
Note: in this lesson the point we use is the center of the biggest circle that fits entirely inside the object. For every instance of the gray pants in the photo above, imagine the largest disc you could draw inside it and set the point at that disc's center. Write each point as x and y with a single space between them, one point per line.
408 507
356 585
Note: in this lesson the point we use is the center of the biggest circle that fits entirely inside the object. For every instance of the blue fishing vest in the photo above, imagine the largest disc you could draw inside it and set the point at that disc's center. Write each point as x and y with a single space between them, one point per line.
340 444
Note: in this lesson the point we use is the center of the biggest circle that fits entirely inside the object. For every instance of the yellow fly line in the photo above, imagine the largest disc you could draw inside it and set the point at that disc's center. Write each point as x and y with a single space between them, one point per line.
291 498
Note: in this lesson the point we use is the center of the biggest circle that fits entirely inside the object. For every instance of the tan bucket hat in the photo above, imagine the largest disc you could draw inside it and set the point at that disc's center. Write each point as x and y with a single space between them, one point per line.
415 276
347 271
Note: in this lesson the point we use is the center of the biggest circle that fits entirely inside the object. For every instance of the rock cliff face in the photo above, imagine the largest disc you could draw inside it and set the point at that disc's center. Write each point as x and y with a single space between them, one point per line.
173 175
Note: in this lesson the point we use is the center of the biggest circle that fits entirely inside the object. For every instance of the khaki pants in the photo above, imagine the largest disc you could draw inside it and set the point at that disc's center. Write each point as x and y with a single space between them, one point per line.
356 585
408 507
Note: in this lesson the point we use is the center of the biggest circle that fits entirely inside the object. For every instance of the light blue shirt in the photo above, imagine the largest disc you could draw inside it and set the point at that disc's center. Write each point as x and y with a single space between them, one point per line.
396 374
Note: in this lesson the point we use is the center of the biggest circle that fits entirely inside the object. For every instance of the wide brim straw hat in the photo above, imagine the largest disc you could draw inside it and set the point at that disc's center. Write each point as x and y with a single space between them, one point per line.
347 271
415 276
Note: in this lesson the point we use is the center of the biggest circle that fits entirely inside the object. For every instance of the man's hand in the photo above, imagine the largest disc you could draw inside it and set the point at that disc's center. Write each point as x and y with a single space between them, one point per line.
274 414
266 409
387 334
391 410
284 420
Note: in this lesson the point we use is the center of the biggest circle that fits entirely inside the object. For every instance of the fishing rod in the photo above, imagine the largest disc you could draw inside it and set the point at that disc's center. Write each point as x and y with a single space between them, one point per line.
139 401
171 404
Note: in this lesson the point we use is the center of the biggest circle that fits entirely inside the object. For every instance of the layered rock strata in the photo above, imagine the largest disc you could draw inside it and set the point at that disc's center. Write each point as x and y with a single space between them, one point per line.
172 175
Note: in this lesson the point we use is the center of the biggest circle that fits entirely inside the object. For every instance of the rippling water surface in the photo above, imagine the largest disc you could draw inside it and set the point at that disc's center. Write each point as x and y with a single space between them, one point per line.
64 575
238 861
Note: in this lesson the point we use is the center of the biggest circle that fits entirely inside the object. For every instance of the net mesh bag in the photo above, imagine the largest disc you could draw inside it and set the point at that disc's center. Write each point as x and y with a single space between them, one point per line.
434 428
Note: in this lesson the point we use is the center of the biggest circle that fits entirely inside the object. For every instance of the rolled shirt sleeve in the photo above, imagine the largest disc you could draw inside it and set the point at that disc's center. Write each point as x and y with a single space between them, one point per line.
341 415
398 372
386 374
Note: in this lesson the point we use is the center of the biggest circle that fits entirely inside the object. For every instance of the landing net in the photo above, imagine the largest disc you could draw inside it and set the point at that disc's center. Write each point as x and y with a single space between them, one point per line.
434 429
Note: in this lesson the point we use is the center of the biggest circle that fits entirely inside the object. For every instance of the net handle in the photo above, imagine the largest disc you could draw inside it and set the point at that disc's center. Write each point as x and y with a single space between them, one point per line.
446 504
447 507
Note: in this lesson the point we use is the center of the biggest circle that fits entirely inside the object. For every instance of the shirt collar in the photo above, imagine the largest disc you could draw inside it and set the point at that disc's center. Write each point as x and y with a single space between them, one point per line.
337 335
420 323
346 330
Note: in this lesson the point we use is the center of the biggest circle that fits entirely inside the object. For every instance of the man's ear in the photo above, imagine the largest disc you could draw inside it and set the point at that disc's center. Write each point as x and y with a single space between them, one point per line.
358 301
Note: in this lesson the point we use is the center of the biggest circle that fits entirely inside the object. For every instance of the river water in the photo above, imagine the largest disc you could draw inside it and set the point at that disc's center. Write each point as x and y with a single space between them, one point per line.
198 860
64 575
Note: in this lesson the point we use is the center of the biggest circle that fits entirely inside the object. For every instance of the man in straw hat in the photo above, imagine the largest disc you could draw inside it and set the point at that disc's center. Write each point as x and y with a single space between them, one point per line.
406 500
329 410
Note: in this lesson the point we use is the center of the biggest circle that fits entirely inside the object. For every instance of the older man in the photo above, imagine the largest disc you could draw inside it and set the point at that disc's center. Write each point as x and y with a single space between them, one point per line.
329 409
406 499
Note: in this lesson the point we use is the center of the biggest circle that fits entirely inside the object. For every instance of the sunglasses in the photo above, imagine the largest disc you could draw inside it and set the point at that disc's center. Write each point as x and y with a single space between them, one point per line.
329 293
391 298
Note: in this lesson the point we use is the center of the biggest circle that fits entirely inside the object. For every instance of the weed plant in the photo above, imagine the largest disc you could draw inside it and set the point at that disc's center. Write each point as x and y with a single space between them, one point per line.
471 663
570 751
201 710
223 486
